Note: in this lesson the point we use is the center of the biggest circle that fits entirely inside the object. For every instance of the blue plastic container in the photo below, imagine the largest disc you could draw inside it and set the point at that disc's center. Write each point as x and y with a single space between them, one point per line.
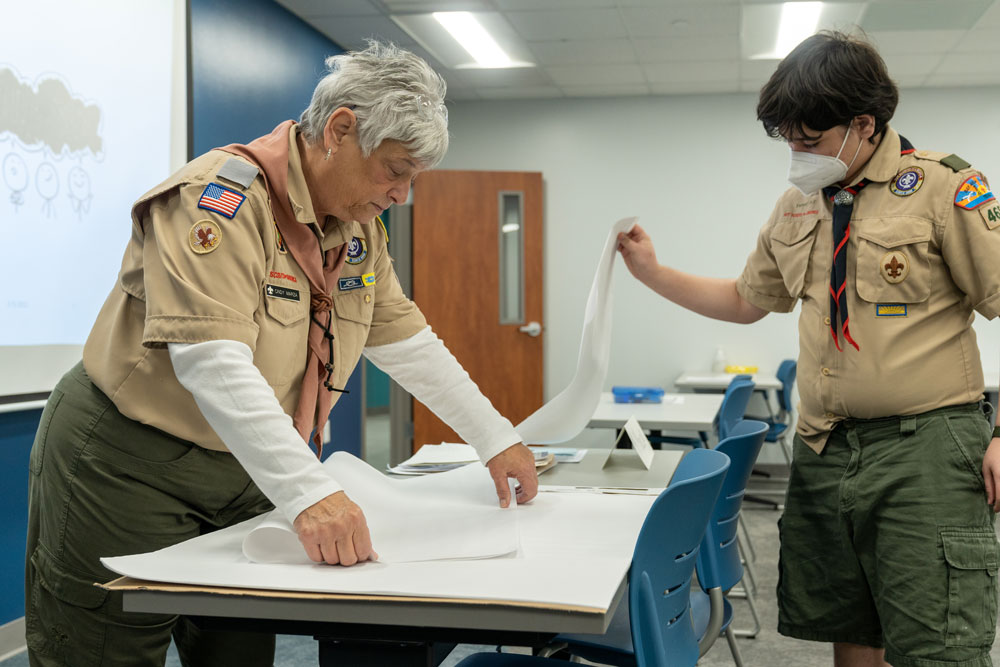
637 394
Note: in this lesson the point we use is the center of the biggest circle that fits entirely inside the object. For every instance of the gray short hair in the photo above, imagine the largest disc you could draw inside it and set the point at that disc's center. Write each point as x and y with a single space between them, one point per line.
394 95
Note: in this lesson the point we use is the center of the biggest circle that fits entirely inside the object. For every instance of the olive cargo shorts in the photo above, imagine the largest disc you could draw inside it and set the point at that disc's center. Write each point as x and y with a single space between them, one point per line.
103 485
887 540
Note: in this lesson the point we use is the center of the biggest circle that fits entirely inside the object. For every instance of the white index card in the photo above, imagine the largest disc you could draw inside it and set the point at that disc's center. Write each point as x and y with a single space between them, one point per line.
639 441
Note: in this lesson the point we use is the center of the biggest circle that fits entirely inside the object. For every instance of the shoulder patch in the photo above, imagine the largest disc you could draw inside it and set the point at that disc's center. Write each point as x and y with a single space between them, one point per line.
991 215
238 171
220 199
973 193
955 163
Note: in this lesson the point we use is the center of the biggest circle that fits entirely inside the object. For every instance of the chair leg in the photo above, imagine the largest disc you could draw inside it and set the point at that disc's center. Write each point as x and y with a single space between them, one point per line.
733 648
748 568
756 621
746 534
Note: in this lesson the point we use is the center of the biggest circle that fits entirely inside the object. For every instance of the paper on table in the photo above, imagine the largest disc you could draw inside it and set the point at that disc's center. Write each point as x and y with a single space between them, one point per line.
640 443
445 516
575 549
567 414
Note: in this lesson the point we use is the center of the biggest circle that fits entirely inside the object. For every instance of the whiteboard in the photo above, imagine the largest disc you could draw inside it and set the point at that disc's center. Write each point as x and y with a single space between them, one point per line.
91 119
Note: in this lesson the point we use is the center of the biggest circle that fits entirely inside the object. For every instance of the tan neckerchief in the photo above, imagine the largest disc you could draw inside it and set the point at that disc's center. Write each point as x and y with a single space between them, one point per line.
270 154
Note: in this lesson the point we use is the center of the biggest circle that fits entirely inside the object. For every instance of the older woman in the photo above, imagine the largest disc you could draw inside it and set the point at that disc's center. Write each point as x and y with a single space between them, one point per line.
254 279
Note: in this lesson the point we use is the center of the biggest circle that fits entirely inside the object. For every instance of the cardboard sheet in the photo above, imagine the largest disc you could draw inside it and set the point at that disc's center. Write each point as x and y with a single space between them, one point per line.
458 508
575 549
567 414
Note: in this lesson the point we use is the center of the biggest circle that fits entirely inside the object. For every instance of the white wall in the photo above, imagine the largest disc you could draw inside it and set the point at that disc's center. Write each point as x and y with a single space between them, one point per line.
703 177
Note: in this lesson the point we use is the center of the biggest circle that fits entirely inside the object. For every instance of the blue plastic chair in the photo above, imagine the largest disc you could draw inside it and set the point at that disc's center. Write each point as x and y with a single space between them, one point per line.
780 424
662 569
719 565
734 405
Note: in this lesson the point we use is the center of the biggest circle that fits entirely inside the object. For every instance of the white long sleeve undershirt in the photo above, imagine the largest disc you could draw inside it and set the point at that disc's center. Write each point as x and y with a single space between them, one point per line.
241 407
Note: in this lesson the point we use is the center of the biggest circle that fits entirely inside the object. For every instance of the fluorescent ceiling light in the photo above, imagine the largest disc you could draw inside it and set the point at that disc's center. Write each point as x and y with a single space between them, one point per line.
798 21
468 32
510 227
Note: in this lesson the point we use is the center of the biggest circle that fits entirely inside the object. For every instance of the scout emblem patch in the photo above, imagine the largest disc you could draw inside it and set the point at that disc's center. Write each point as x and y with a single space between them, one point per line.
204 236
280 241
221 200
972 193
286 293
357 250
907 182
895 266
890 310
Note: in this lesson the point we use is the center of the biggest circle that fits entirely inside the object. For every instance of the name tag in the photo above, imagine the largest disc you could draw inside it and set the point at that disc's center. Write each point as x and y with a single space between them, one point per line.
890 310
354 282
286 293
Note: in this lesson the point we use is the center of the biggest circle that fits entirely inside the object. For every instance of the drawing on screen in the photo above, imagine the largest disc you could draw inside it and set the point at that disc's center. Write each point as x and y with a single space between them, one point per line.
46 124
15 176
47 184
79 191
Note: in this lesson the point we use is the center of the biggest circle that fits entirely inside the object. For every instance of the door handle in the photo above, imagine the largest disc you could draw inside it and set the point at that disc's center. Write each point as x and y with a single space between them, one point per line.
531 328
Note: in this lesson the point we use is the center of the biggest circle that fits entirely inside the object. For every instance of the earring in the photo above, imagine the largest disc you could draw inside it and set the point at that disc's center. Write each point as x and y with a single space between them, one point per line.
329 152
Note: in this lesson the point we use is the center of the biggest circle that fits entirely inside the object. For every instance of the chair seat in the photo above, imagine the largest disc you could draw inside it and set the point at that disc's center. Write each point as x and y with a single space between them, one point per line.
701 609
775 431
504 660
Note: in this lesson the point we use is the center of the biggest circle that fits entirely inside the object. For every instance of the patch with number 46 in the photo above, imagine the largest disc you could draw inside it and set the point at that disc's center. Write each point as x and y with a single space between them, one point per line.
991 214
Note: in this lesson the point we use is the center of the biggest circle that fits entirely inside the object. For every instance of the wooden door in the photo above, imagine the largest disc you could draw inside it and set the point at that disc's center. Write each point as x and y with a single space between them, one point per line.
457 234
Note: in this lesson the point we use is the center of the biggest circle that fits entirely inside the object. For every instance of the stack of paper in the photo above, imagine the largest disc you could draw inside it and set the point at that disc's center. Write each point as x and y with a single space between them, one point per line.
450 455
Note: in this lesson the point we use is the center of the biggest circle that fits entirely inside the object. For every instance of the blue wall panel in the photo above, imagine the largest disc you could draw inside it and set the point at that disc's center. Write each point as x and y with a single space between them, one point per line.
254 65
17 431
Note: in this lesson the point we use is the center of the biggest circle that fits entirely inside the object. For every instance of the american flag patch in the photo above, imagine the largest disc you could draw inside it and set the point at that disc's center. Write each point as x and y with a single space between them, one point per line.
220 199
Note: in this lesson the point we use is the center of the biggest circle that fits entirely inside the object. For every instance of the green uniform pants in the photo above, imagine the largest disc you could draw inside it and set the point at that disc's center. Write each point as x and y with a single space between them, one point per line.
887 540
104 485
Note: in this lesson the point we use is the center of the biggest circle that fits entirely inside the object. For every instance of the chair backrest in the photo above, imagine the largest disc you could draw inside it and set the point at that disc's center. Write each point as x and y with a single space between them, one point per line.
719 557
786 375
734 404
664 559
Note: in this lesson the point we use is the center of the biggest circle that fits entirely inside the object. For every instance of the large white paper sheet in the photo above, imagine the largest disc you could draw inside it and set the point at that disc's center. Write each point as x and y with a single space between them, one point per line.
453 514
567 414
575 549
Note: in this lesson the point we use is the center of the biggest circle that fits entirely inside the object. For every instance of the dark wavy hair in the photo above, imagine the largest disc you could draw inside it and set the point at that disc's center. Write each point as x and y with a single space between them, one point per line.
827 80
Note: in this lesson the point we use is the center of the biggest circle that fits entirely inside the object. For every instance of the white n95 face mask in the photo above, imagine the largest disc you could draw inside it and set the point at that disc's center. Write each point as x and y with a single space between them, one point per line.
810 172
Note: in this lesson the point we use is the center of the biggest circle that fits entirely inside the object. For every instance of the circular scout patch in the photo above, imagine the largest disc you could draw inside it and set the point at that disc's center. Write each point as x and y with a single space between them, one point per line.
357 250
205 236
907 181
894 267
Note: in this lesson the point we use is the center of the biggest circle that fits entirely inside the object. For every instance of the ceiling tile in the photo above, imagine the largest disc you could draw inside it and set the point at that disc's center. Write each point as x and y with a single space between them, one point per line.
350 32
660 3
708 47
583 52
914 63
462 95
327 8
520 92
427 6
492 78
626 90
981 40
966 63
542 5
757 70
694 87
991 19
923 14
692 71
682 21
596 75
568 24
910 80
916 41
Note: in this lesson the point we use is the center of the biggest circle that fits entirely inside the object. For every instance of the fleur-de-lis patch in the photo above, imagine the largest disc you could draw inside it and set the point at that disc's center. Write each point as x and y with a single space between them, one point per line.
205 236
894 266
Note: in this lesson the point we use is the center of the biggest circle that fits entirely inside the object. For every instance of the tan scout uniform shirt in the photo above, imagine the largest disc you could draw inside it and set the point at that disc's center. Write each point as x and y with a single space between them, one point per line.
908 363
169 293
